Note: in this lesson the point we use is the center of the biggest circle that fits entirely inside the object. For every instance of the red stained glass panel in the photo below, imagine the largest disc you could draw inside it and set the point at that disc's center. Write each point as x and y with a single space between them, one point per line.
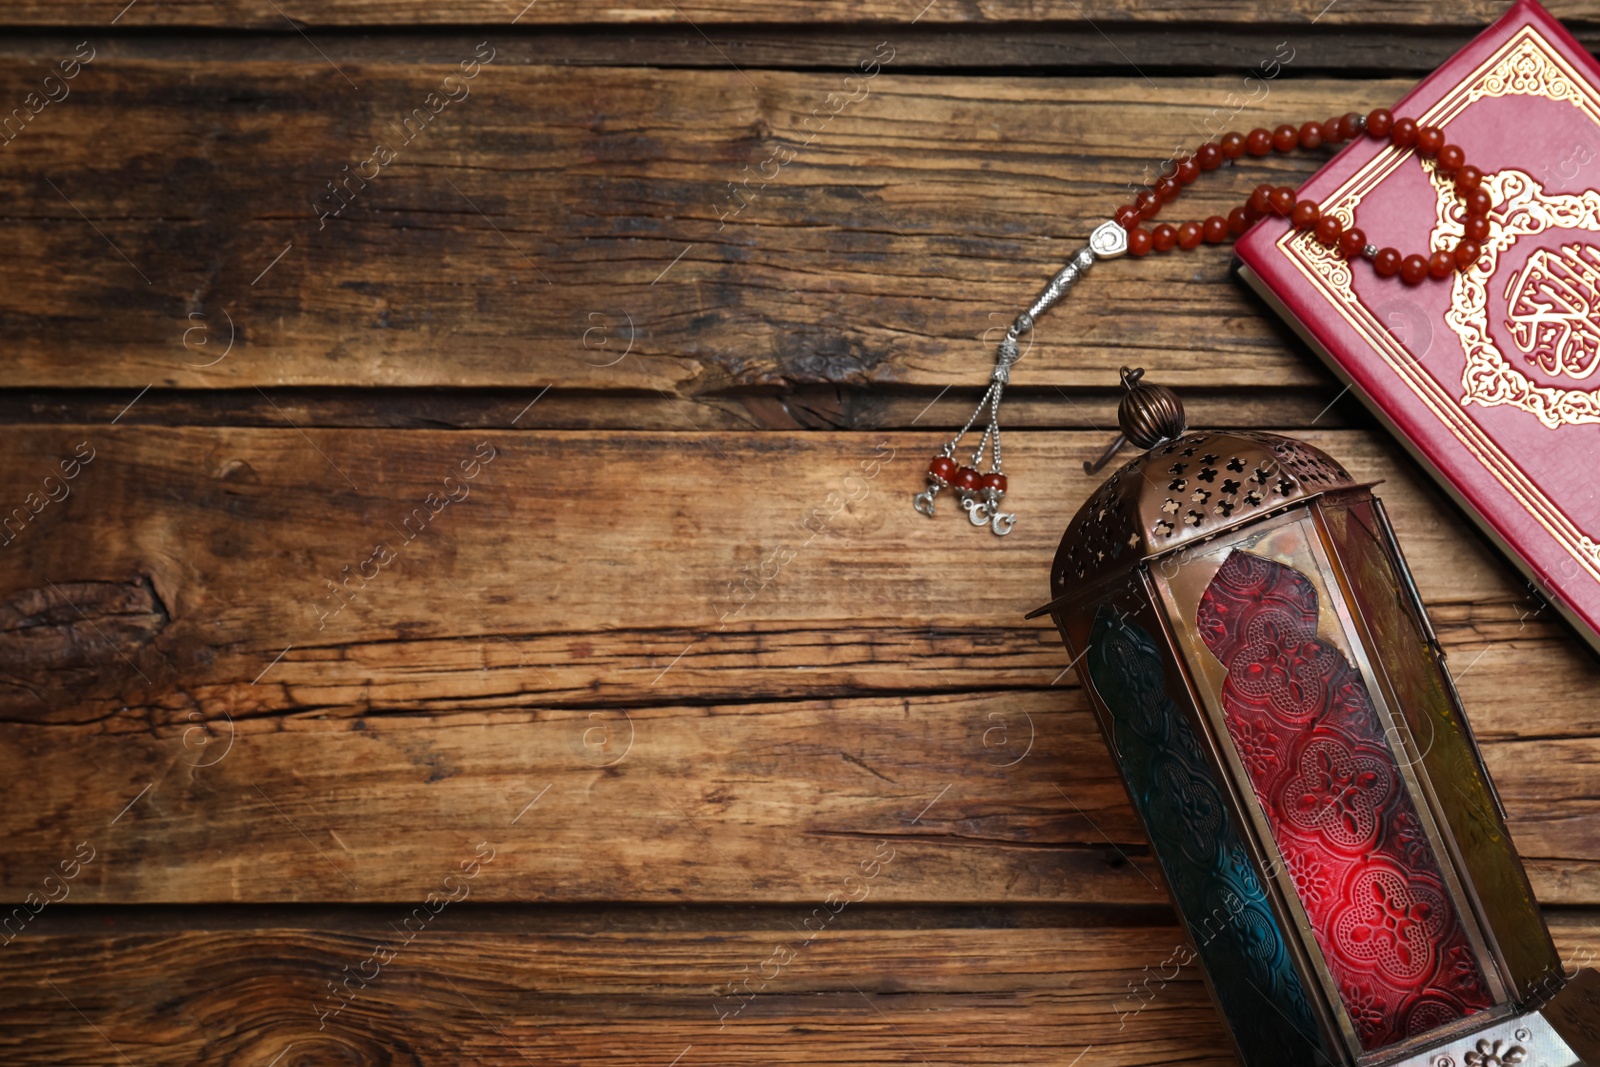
1311 743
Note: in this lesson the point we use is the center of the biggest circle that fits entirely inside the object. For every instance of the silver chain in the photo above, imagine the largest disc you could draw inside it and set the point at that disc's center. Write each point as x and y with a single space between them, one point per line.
1108 241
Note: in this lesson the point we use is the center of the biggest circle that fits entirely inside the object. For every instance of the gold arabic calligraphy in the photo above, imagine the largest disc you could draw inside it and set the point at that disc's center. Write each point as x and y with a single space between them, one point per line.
1553 310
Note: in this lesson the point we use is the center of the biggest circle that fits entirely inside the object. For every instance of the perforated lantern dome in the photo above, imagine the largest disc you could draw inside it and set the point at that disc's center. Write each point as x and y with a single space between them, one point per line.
1187 490
1250 639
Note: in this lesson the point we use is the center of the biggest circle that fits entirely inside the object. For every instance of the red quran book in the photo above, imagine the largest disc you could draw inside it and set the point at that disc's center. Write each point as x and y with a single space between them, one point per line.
1491 378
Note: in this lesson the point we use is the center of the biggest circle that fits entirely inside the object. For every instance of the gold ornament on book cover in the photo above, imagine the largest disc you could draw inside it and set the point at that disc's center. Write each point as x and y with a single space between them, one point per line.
1552 301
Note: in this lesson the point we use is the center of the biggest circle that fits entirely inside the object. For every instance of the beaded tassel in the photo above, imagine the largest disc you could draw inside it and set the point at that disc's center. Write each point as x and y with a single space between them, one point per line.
980 493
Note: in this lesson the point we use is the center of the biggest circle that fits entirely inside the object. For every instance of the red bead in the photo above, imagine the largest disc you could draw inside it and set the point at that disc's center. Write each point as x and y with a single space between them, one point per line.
1285 138
1214 230
1189 235
1259 143
1127 216
1329 230
1209 156
1380 121
1282 199
1187 170
1138 242
1351 123
994 480
1167 189
1163 237
1477 229
1310 135
1478 202
1352 243
966 480
1451 158
1429 140
942 468
1403 134
1387 262
1413 269
1239 220
1468 178
1232 145
1333 131
1305 214
1441 264
1467 253
1147 203
1261 200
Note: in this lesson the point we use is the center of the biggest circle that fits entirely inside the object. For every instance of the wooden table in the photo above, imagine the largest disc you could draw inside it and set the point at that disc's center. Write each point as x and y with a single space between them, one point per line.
486 623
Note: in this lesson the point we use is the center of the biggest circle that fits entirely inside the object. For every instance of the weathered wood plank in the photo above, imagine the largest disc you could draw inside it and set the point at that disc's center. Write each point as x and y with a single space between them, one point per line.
792 12
817 407
1493 650
582 226
743 803
1002 796
588 570
1224 48
177 602
854 994
1034 996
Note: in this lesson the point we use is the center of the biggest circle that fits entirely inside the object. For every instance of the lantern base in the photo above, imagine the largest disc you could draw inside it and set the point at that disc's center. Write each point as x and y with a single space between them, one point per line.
1565 1032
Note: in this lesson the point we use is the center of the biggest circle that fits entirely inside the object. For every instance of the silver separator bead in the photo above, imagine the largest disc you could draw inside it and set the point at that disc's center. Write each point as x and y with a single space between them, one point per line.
1005 356
1108 241
1053 292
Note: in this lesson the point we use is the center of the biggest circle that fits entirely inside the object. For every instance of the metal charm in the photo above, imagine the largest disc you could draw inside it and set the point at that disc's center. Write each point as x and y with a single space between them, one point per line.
987 512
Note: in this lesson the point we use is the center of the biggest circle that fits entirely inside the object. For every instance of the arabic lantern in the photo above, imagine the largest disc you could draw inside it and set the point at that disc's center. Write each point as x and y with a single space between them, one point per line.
1253 646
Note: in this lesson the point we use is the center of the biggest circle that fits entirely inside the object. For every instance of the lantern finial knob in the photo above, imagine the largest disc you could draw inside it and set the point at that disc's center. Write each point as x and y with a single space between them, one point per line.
1148 414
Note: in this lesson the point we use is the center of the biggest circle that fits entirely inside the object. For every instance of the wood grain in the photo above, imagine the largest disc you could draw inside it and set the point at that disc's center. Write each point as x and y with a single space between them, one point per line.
792 12
856 993
749 802
567 626
927 46
590 668
819 407
203 553
576 226
1005 796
